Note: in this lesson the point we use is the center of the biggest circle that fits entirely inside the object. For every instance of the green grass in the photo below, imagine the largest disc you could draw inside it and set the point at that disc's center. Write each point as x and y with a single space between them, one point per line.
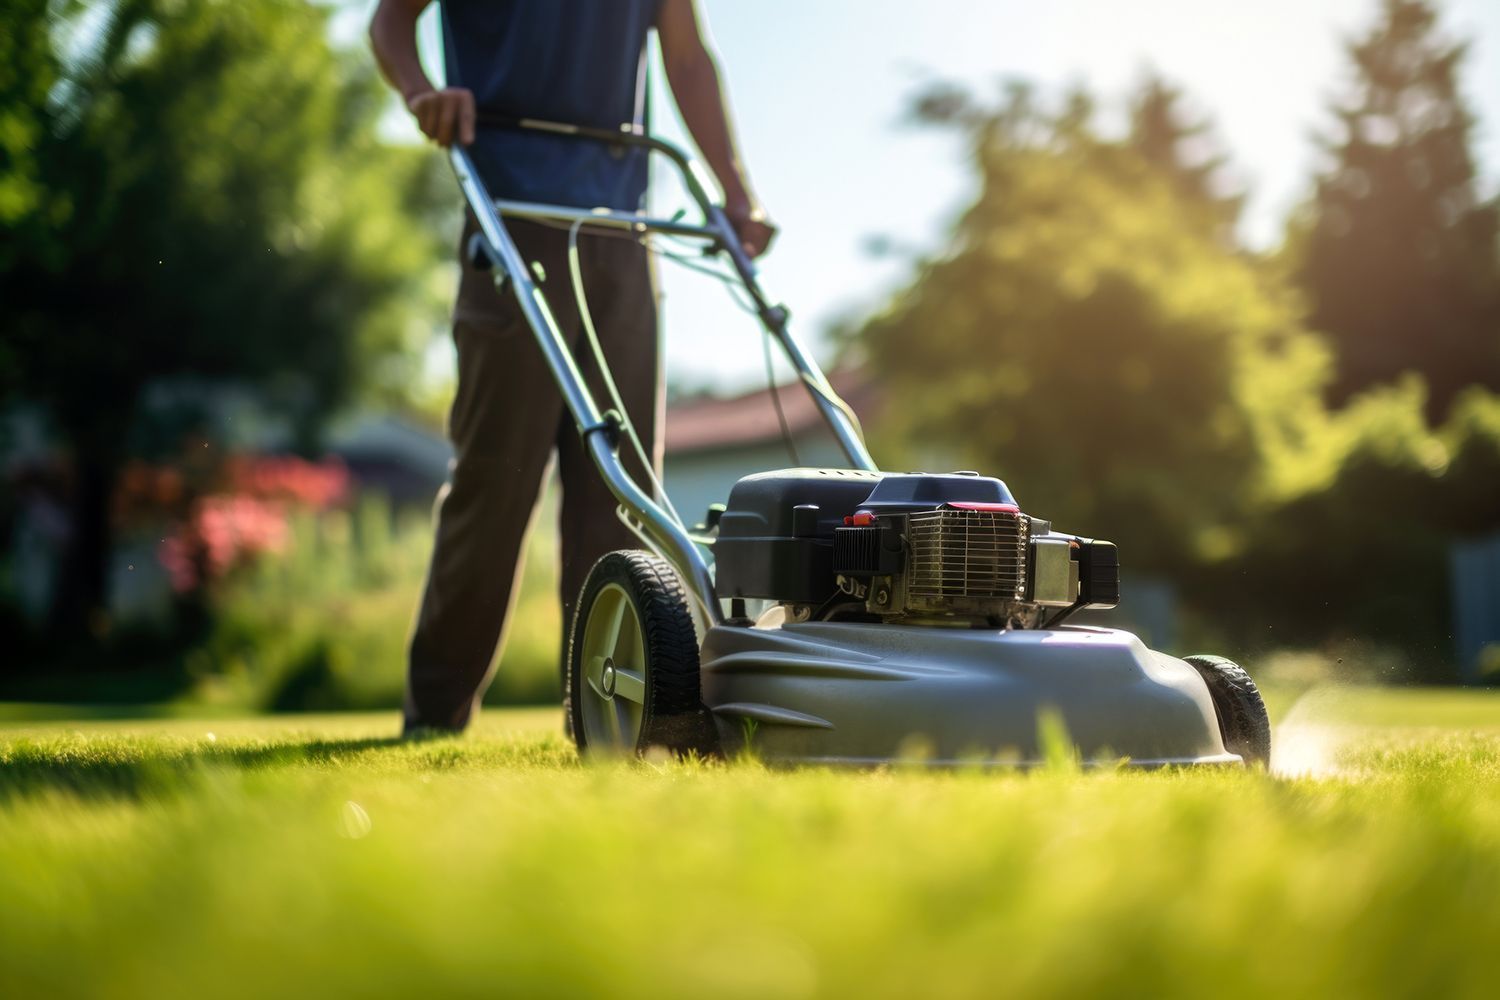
312 855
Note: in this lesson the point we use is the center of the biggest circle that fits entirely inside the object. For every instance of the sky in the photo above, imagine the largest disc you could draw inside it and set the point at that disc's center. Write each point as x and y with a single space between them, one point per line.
818 88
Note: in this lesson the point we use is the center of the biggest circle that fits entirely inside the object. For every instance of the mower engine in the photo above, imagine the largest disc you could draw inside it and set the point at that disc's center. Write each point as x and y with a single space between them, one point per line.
941 549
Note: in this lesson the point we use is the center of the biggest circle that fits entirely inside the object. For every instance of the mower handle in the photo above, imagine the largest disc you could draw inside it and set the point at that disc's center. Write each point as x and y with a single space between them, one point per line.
717 230
599 431
698 184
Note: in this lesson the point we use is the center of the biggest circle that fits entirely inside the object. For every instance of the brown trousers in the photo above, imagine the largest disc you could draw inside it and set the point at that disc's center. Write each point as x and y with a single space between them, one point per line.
506 421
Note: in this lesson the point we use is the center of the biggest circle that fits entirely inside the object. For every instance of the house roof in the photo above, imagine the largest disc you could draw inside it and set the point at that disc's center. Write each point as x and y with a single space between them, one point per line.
704 423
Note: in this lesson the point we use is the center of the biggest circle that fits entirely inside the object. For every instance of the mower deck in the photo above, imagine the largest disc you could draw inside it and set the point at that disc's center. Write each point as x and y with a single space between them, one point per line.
865 694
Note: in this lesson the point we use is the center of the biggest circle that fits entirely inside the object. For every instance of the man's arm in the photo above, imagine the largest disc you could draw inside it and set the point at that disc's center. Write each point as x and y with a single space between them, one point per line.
443 115
693 75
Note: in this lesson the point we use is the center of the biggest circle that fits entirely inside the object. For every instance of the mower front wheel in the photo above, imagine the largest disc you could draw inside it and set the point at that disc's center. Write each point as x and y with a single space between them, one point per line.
632 679
1243 721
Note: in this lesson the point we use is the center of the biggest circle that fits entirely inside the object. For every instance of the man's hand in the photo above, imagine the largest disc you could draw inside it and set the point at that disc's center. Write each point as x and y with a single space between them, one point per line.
444 115
754 228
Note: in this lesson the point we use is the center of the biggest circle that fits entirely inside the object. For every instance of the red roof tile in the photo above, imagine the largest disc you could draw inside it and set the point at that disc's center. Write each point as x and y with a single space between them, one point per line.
703 423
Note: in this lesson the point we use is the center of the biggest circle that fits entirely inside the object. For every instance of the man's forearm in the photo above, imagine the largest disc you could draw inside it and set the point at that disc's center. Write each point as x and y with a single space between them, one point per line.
444 116
694 77
393 38
700 98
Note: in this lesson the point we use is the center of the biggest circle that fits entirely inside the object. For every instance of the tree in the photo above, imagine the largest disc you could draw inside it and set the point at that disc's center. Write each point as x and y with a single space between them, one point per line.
198 192
1088 338
1400 260
1361 554
1183 149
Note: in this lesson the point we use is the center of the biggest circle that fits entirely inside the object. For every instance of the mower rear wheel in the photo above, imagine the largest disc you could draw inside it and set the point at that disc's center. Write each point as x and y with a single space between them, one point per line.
1243 721
632 679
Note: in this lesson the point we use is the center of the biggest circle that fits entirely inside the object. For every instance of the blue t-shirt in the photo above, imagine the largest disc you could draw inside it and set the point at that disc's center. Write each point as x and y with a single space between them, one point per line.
582 62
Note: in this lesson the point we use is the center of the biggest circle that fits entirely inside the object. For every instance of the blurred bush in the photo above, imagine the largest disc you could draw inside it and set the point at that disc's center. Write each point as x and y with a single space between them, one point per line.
324 624
266 583
1362 554
246 519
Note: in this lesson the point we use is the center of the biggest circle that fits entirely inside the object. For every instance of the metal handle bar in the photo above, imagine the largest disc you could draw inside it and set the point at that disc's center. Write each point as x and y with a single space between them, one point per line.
716 226
598 433
604 218
698 183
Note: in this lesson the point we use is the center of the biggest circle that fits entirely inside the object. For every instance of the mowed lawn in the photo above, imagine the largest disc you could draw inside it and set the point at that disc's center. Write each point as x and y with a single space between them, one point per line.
296 856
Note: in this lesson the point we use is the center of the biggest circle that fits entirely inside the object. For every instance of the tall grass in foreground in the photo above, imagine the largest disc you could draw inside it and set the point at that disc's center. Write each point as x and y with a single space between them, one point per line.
312 857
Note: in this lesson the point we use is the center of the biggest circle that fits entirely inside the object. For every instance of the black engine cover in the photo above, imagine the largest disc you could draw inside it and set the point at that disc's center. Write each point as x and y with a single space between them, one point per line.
776 533
776 536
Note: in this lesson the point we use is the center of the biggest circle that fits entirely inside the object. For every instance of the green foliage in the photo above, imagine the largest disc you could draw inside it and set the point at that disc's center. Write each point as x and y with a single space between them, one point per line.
326 625
230 212
1471 445
27 72
200 193
1089 337
1401 259
1364 554
318 857
1183 149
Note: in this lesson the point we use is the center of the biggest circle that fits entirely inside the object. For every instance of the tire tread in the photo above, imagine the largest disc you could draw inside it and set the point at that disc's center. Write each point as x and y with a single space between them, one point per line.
674 717
1243 721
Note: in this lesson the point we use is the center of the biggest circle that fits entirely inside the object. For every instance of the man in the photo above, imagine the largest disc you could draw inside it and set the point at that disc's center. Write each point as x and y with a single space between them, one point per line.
581 62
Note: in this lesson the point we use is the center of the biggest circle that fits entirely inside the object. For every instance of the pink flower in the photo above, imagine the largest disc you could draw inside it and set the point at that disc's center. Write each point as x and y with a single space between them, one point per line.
224 532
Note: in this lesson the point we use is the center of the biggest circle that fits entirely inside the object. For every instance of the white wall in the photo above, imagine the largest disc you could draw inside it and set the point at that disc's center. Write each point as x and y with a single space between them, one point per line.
694 481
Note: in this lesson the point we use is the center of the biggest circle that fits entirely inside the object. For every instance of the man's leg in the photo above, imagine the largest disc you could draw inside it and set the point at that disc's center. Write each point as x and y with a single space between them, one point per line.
503 425
621 286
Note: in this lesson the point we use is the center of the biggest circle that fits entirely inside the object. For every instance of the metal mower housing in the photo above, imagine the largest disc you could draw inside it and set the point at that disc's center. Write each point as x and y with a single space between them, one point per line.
861 694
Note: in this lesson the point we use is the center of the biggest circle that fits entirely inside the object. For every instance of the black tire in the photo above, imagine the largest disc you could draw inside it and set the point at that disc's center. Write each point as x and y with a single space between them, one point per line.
671 713
1243 721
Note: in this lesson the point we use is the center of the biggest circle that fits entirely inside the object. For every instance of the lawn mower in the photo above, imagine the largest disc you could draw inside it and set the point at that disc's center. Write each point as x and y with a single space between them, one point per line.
900 616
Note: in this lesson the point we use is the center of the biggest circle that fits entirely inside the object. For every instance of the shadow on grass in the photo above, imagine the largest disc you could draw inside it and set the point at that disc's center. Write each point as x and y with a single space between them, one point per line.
156 767
140 769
